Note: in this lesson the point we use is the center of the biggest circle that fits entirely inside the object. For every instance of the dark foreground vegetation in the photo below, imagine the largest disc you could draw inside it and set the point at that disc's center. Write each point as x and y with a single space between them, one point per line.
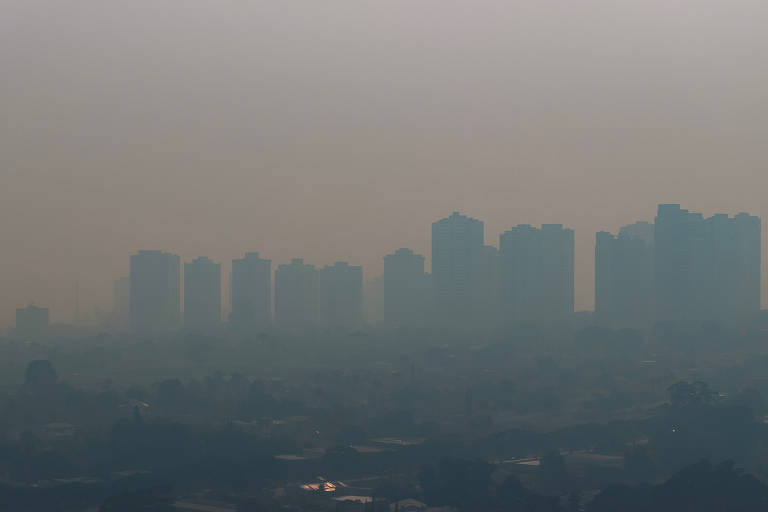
577 418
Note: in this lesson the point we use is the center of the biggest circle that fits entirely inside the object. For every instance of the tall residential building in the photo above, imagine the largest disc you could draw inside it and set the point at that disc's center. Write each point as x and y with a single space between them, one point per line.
202 294
31 321
557 269
736 242
536 268
155 291
519 250
623 276
457 257
296 295
251 290
675 241
407 296
705 268
748 233
340 296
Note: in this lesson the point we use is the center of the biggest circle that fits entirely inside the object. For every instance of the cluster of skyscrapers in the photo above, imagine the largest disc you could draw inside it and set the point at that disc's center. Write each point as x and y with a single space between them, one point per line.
682 268
304 297
530 278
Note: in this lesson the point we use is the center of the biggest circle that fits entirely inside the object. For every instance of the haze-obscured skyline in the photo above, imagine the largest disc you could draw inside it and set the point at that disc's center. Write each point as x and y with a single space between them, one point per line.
342 130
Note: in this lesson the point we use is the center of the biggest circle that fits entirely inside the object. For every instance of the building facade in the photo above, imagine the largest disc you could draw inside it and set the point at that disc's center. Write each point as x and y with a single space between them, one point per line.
340 296
407 298
705 269
537 272
457 259
296 295
251 290
624 276
155 300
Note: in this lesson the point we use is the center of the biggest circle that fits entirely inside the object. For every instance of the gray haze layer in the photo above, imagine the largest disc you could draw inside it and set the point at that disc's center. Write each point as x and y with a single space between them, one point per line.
341 129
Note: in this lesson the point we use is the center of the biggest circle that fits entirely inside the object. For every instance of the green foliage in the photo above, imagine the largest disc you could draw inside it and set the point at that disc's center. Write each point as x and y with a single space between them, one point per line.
699 487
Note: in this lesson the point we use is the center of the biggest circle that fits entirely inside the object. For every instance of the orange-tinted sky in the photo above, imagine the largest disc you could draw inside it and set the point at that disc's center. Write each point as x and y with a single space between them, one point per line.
341 129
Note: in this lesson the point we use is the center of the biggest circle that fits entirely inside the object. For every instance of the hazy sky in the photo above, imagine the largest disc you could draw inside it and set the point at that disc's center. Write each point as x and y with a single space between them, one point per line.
341 129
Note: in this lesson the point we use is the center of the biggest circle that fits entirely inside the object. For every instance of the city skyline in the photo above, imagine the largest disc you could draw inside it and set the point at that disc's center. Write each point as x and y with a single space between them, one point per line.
96 288
493 290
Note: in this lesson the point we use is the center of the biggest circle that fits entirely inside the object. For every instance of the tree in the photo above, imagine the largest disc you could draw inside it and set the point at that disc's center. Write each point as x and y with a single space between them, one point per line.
700 487
574 501
752 399
554 475
467 485
457 482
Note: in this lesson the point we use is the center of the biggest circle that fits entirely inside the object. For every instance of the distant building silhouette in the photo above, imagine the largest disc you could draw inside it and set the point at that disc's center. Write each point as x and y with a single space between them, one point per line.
737 244
537 272
705 269
684 268
31 321
519 250
406 289
340 296
251 292
677 239
624 276
457 257
155 291
640 230
296 295
202 294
